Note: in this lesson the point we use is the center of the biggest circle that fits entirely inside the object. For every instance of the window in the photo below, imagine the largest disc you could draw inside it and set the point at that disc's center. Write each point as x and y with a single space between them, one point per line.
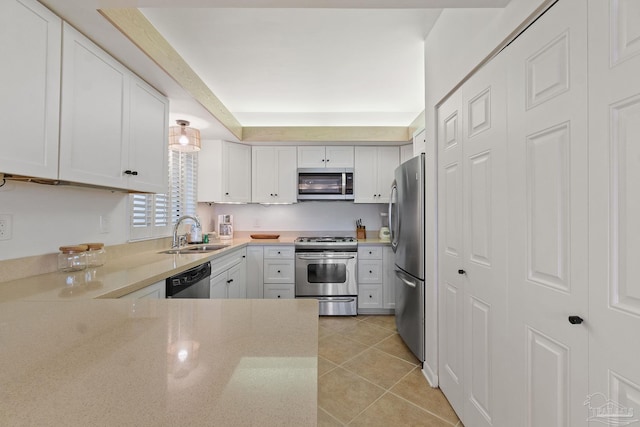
153 215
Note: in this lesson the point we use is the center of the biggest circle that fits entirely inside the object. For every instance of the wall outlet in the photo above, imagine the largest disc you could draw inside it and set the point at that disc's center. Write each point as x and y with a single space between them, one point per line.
104 225
6 226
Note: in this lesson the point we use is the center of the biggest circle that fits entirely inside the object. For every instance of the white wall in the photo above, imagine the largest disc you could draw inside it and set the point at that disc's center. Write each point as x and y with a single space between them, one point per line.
306 216
46 217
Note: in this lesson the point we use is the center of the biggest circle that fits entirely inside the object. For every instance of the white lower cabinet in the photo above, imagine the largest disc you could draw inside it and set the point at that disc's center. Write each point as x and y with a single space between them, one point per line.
156 291
228 276
279 291
375 279
255 272
279 271
370 296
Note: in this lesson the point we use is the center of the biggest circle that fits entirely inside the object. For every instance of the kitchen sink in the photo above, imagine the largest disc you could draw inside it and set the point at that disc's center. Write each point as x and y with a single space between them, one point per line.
195 249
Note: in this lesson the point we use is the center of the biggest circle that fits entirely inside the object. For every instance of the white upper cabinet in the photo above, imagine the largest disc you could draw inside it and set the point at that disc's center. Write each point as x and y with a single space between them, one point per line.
224 172
273 175
373 173
406 152
113 130
148 138
332 156
30 45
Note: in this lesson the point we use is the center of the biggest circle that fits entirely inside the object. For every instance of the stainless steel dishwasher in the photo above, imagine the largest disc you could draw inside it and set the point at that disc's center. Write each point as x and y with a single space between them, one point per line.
192 283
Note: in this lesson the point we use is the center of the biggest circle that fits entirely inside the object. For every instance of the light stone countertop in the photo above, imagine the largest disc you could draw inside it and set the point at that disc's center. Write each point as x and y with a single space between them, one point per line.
159 363
125 274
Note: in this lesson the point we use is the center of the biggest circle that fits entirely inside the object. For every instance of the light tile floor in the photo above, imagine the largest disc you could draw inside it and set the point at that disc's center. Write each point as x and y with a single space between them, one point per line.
368 377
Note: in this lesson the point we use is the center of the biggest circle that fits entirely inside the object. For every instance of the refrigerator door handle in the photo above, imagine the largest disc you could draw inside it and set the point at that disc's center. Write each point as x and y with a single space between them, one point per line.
400 275
392 231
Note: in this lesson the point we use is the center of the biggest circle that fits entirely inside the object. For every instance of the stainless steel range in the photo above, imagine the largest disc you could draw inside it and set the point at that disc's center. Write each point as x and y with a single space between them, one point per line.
326 270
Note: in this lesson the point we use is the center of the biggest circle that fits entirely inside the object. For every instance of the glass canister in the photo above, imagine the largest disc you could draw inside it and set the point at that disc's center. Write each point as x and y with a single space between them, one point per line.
96 254
72 258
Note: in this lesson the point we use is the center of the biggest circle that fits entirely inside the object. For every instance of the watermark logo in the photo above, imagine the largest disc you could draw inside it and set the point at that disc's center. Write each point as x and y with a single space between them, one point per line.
607 411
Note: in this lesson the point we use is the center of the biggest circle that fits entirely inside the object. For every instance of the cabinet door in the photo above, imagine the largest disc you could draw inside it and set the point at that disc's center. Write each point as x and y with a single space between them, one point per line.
365 175
614 209
156 291
388 278
94 130
548 206
236 281
236 172
218 286
210 175
30 45
255 272
286 191
369 271
311 156
370 296
406 152
148 139
263 174
339 156
387 161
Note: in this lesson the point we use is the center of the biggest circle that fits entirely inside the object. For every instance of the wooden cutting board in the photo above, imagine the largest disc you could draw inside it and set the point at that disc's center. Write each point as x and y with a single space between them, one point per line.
265 236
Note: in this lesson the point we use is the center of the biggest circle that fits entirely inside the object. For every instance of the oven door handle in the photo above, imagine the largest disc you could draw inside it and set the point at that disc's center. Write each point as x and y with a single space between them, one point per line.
307 257
336 300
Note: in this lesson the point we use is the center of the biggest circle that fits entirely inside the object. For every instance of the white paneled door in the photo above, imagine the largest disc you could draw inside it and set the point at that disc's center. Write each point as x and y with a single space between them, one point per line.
485 255
614 213
450 283
548 206
472 137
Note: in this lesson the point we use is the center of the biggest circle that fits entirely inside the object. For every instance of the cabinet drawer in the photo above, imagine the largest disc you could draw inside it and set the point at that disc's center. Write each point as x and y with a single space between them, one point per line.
370 252
370 296
279 291
278 252
370 271
279 271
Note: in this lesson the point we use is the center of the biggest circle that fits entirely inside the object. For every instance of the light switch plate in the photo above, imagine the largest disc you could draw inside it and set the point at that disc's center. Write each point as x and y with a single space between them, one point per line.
6 226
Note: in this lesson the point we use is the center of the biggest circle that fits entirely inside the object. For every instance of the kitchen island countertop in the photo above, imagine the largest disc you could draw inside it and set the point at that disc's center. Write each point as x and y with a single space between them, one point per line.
159 362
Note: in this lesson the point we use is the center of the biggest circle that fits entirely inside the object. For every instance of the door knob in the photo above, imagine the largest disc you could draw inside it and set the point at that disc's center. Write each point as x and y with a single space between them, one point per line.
575 320
462 272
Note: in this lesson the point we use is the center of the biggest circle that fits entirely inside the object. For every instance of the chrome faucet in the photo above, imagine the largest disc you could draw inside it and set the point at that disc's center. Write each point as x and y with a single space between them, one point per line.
175 244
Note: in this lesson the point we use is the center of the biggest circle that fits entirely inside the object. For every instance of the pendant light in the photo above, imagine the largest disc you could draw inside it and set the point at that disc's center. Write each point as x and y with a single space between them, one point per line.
184 138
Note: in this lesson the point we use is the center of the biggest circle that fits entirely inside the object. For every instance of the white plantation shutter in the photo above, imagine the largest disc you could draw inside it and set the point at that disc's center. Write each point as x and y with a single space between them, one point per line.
153 215
183 183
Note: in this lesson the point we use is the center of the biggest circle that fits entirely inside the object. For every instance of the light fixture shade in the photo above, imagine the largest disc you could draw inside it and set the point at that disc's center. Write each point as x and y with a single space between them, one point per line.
184 138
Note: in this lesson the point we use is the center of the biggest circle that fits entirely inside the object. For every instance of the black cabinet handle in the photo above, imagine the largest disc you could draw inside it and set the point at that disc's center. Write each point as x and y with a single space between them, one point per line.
134 173
370 272
462 272
328 160
322 160
278 296
226 194
271 194
278 271
276 194
128 172
575 320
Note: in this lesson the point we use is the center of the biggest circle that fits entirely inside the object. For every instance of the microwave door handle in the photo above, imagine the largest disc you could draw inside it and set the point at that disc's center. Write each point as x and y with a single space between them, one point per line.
344 183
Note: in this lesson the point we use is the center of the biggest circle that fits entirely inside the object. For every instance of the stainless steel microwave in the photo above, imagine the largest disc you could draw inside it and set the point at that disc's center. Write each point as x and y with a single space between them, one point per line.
325 184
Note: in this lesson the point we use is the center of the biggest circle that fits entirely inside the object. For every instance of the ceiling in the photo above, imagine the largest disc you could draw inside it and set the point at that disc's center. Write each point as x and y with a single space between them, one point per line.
285 63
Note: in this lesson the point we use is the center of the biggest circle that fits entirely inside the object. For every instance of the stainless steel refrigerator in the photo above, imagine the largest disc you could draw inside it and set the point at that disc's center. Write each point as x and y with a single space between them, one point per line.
406 222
